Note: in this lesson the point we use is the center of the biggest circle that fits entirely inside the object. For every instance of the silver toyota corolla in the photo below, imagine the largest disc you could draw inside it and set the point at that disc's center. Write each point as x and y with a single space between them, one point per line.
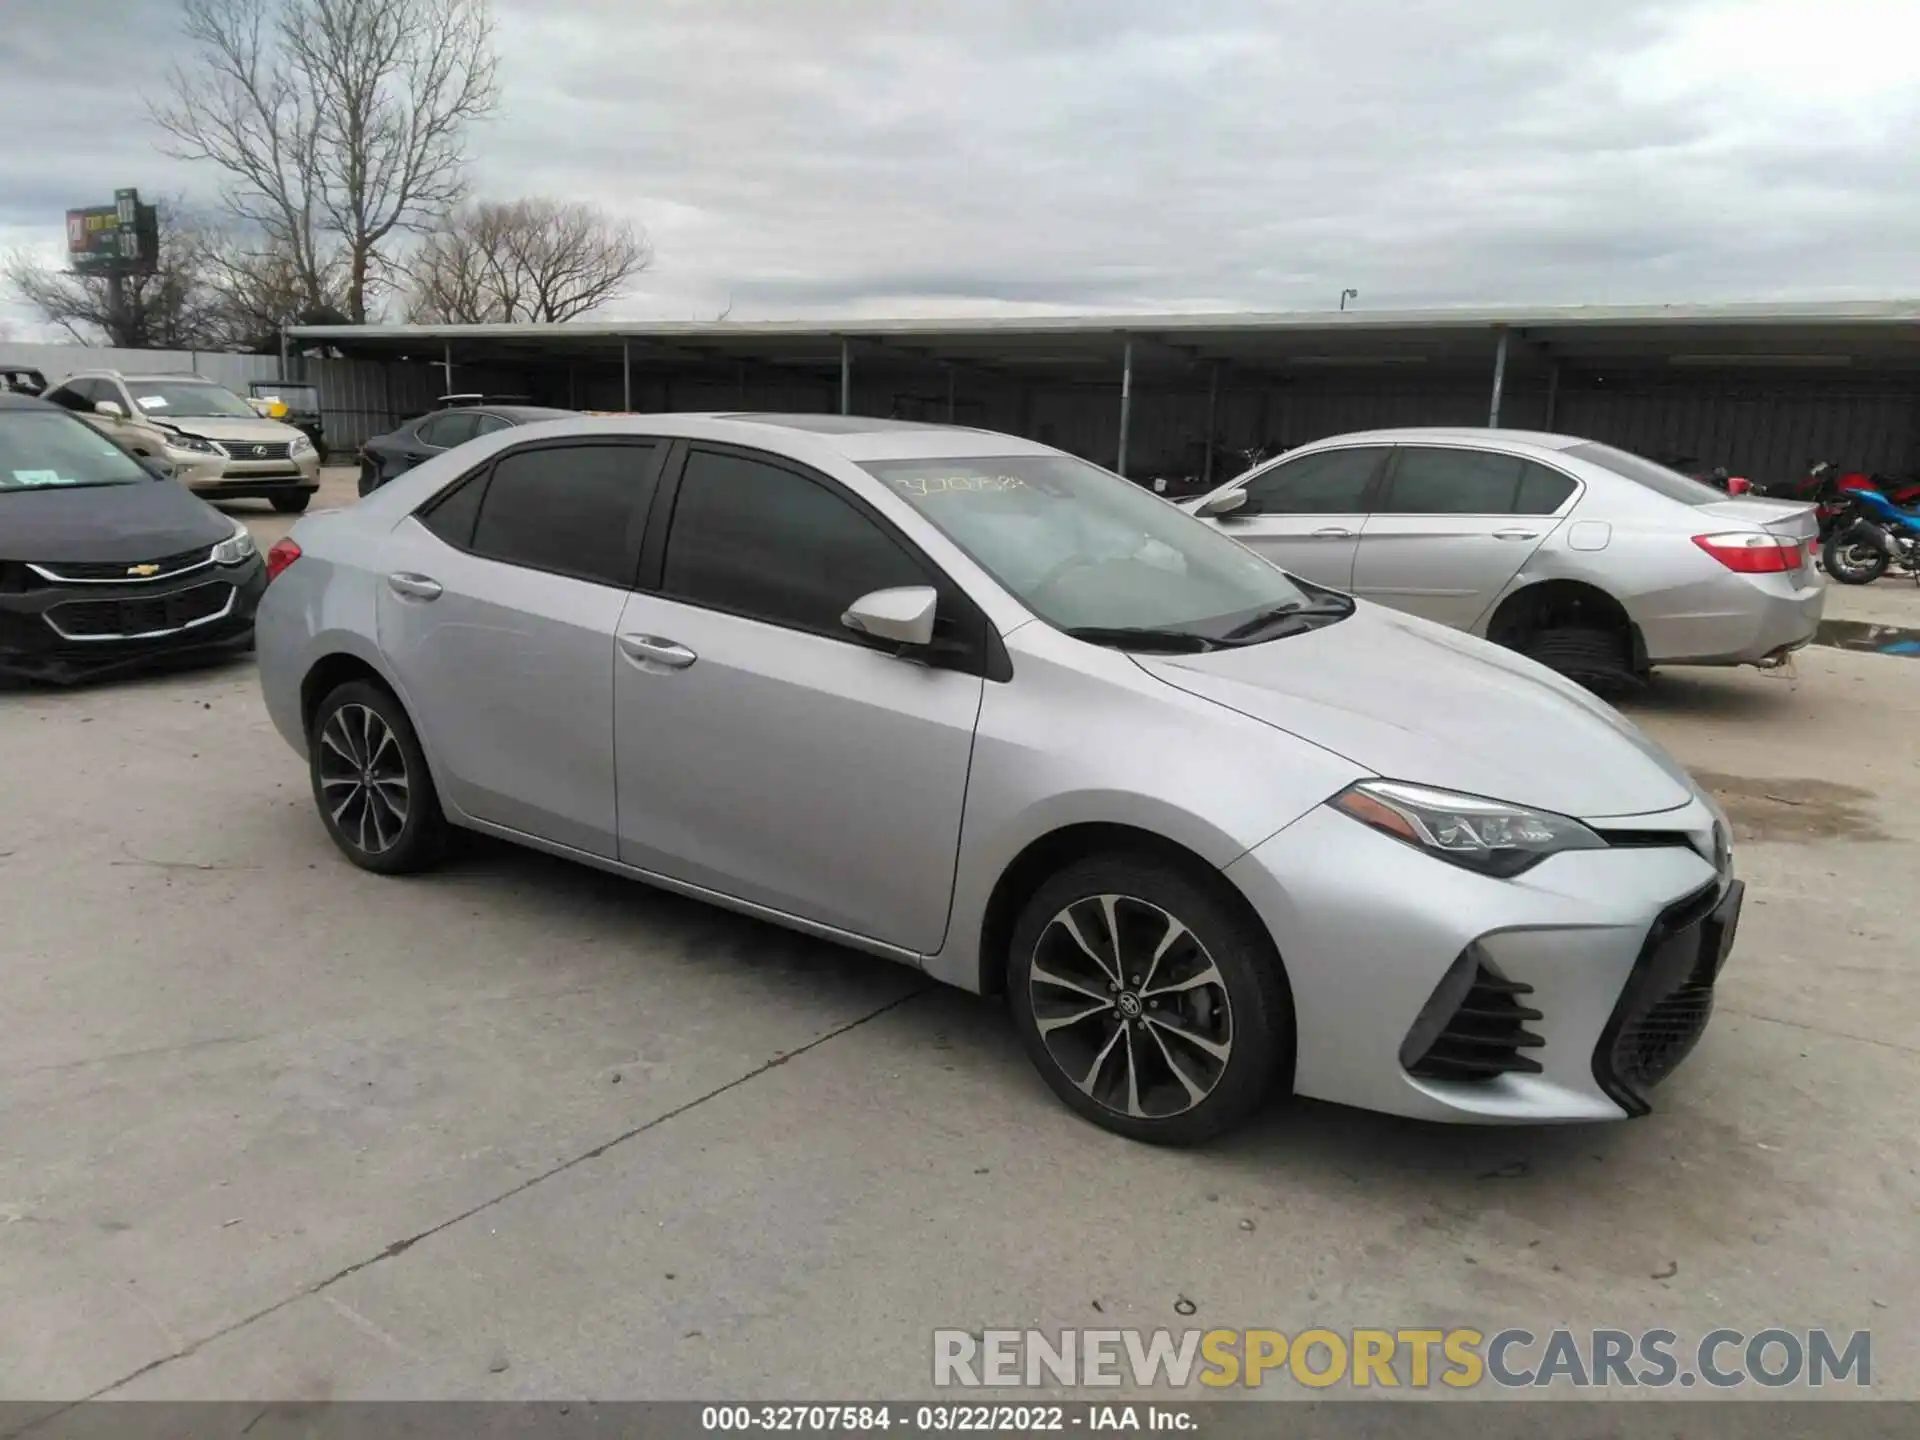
969 703
1590 559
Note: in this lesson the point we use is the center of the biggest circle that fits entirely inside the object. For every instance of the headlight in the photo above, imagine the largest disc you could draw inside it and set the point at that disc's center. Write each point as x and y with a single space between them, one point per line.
1489 836
193 445
235 548
301 446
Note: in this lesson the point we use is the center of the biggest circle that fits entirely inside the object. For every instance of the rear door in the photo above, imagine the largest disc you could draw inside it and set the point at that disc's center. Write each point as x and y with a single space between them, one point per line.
1306 514
1453 525
497 609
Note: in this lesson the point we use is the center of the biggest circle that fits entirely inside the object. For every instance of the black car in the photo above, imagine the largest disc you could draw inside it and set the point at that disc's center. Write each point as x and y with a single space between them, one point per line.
105 563
398 451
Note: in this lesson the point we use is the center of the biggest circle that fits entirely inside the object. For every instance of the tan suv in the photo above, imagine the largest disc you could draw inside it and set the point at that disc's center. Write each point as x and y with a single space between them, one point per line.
219 445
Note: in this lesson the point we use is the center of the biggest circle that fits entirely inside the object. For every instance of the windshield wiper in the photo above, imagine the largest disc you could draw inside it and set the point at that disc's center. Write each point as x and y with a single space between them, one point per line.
1139 637
1332 607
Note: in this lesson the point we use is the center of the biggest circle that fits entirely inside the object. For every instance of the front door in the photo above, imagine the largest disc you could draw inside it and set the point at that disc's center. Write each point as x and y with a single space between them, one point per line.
1452 527
765 752
1306 514
497 609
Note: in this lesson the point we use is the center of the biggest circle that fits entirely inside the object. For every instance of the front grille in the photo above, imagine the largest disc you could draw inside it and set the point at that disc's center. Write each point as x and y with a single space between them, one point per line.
1483 1034
146 615
130 572
265 450
1668 998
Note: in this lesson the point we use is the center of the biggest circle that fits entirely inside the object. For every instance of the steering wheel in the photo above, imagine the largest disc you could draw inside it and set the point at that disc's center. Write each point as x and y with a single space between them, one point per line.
1063 568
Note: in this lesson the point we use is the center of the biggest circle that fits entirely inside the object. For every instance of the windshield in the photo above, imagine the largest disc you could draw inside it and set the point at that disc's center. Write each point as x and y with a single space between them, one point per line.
1657 478
174 399
294 397
48 449
1086 550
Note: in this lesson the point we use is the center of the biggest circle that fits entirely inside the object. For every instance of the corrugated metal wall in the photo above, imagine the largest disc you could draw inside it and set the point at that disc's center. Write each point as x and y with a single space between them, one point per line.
358 397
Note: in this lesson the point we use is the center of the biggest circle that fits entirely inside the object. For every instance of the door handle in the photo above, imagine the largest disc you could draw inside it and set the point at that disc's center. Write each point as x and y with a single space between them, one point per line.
1333 532
1516 534
414 587
653 650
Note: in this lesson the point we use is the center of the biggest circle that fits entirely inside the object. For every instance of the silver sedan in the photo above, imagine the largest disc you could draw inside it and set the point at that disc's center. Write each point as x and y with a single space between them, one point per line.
1588 558
979 707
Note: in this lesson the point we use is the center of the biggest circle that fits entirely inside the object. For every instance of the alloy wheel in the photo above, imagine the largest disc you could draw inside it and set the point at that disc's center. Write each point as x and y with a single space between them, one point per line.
363 778
1130 1006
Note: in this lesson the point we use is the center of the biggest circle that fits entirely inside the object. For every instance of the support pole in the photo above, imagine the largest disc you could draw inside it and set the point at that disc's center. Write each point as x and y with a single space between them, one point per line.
285 378
1213 408
626 375
446 364
1126 404
950 407
743 384
1499 380
1553 394
846 376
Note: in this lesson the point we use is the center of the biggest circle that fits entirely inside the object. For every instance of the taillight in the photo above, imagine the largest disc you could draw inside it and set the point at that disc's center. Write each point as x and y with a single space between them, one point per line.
1753 554
283 554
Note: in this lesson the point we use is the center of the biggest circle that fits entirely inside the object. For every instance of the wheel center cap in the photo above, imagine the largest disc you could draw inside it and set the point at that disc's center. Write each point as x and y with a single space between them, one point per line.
1130 1005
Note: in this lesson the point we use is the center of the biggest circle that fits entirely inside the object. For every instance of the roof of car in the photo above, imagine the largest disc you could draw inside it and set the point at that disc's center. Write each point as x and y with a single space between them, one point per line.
14 400
1474 434
516 412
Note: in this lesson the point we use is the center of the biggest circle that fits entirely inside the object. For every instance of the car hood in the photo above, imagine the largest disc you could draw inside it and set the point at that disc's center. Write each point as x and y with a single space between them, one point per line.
1414 701
106 522
231 427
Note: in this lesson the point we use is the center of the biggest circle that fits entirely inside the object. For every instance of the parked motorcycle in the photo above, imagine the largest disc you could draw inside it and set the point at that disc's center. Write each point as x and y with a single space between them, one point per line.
1868 536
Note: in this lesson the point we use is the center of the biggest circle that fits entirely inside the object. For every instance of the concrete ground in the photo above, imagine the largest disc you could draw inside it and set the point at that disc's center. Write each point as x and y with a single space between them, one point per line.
272 1127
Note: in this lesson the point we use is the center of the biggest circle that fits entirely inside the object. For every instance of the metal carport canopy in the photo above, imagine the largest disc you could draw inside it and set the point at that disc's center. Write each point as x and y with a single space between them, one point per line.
1867 334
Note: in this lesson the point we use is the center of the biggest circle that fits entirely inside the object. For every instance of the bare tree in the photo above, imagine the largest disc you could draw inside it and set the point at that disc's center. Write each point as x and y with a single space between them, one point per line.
170 309
340 124
545 260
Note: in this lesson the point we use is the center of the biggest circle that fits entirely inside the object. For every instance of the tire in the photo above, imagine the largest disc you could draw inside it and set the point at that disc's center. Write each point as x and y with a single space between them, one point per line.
1840 555
1599 660
1180 1094
402 829
294 503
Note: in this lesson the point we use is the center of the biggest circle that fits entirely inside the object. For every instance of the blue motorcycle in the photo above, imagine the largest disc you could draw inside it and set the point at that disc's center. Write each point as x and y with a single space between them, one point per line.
1868 536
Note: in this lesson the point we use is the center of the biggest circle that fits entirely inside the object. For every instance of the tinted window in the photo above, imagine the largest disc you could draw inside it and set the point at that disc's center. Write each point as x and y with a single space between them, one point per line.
1657 478
451 516
565 508
446 431
1434 481
1542 491
1332 482
759 540
73 395
487 424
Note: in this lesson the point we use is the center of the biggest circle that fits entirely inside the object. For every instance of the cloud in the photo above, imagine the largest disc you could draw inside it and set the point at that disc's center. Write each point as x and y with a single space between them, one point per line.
977 156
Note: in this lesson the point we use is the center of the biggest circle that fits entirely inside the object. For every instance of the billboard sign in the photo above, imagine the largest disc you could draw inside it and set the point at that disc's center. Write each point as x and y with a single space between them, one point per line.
118 239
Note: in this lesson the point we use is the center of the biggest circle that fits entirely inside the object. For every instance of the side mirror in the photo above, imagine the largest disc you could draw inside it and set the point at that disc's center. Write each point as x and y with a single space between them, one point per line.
903 615
1224 502
109 407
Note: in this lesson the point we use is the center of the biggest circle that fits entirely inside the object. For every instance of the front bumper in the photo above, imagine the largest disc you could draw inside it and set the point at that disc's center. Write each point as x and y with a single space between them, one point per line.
63 632
1369 928
259 480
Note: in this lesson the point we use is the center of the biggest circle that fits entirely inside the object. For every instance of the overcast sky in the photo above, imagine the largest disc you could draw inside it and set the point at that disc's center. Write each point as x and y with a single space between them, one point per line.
925 157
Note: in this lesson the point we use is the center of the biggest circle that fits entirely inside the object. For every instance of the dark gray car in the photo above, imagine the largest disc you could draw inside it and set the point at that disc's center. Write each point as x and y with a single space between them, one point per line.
385 456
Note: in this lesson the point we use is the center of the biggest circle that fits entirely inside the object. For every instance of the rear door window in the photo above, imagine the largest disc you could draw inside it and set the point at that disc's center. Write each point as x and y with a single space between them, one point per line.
443 432
567 509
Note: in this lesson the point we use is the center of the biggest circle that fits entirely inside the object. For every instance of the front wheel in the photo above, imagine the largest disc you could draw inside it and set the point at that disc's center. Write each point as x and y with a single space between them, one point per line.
371 784
1149 1002
1853 559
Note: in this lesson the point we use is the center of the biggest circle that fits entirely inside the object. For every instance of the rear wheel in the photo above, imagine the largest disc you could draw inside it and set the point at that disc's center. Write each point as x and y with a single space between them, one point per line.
1600 660
1149 1003
293 503
371 784
1852 560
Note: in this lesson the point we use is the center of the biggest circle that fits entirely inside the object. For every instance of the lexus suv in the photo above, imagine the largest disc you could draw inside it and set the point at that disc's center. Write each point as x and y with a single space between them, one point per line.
220 447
